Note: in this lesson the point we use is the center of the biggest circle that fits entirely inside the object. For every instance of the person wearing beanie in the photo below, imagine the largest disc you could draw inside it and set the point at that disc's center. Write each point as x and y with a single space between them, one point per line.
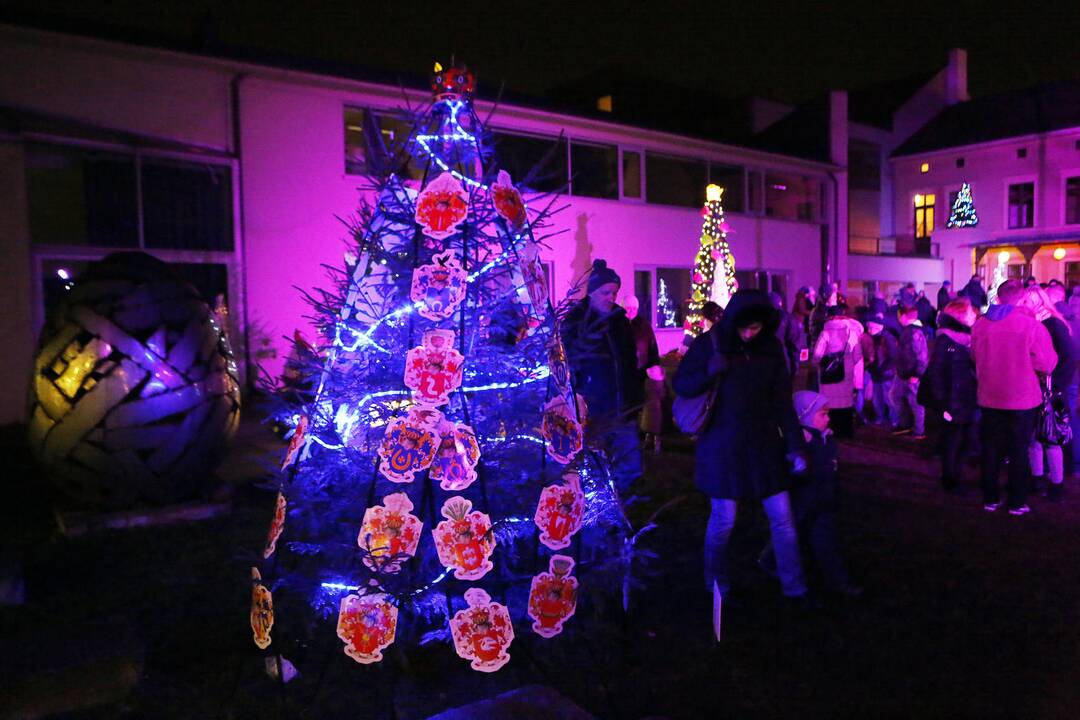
815 498
948 386
602 354
752 434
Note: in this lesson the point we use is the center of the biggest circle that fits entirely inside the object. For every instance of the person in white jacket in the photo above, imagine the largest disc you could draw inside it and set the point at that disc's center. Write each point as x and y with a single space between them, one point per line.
839 360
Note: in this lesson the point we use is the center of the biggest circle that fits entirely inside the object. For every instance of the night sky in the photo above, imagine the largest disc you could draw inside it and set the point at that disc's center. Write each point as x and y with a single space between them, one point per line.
790 51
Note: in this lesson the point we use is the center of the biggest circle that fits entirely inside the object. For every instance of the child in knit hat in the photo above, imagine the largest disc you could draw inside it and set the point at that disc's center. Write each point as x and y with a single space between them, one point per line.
815 498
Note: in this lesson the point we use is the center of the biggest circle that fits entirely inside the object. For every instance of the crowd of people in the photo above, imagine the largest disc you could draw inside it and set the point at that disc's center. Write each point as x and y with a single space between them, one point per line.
994 375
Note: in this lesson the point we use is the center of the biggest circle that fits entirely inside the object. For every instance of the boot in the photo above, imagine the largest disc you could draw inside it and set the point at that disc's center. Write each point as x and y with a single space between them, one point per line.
1054 493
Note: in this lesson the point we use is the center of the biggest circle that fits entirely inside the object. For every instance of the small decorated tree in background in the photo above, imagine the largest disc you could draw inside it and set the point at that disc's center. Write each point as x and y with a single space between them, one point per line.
438 461
963 209
713 276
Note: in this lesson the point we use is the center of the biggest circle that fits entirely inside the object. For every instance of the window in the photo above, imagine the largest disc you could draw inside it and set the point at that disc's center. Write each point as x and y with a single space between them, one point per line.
766 280
732 179
1021 153
755 193
81 197
382 135
595 170
1022 205
539 163
675 181
924 168
959 162
864 165
643 291
791 197
924 215
186 206
631 174
672 296
1072 201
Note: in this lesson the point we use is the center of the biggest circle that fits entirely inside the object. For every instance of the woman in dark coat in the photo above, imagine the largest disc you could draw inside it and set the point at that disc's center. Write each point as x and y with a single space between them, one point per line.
742 454
948 386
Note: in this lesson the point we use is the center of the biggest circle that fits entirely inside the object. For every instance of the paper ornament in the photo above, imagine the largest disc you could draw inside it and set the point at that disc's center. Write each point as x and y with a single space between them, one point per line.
390 533
464 540
553 597
482 632
433 370
536 284
442 206
277 525
455 462
558 365
262 610
367 624
561 430
507 201
439 287
559 512
296 443
409 445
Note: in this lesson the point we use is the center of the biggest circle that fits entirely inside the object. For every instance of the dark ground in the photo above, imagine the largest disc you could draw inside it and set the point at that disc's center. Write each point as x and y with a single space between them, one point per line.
966 614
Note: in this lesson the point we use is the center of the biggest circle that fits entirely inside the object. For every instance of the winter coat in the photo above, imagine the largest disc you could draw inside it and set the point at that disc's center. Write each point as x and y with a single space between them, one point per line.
1073 319
602 354
926 311
648 355
742 452
912 354
1062 340
948 385
943 298
836 337
883 365
1009 347
791 335
815 491
974 292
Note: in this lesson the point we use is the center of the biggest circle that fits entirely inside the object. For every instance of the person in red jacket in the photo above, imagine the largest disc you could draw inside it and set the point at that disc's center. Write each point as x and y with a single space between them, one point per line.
1010 347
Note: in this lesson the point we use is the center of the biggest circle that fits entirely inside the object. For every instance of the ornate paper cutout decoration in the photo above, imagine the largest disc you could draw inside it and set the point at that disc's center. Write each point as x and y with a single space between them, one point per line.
277 525
455 462
553 597
439 287
561 429
464 540
262 610
299 437
559 512
558 365
442 206
389 531
367 625
536 284
409 445
433 370
482 632
507 201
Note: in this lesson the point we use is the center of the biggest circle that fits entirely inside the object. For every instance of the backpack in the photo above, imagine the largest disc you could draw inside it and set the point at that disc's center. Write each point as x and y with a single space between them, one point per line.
692 414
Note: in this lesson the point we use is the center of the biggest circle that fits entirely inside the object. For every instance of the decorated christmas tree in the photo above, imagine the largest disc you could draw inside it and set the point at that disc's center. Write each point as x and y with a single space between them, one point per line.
436 484
963 209
713 276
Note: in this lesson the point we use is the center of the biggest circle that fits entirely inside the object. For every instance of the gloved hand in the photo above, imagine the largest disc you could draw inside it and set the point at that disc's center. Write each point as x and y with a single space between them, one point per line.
717 364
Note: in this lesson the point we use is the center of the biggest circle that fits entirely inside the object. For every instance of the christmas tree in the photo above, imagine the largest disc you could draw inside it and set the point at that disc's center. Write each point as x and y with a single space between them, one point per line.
963 209
436 483
713 276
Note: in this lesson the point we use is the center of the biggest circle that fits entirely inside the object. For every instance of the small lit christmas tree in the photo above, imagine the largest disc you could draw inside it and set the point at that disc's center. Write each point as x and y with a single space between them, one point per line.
963 209
713 276
665 306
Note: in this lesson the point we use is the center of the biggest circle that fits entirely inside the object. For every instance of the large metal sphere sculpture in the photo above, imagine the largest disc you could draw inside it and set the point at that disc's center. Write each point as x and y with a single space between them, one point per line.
135 391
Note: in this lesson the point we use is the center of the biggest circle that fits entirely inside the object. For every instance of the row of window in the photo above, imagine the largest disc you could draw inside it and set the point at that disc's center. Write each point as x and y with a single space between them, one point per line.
78 196
585 169
663 293
1021 207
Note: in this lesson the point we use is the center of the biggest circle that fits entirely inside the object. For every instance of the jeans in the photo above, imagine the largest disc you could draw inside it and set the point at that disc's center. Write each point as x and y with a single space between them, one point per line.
1006 432
1055 461
880 397
623 448
902 394
784 539
955 439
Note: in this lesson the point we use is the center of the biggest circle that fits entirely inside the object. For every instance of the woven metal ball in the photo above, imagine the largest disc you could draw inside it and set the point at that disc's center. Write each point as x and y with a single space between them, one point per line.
135 393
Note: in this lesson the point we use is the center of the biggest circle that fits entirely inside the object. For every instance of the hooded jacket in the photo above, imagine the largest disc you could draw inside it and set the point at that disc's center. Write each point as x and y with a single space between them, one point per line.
1009 347
742 452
